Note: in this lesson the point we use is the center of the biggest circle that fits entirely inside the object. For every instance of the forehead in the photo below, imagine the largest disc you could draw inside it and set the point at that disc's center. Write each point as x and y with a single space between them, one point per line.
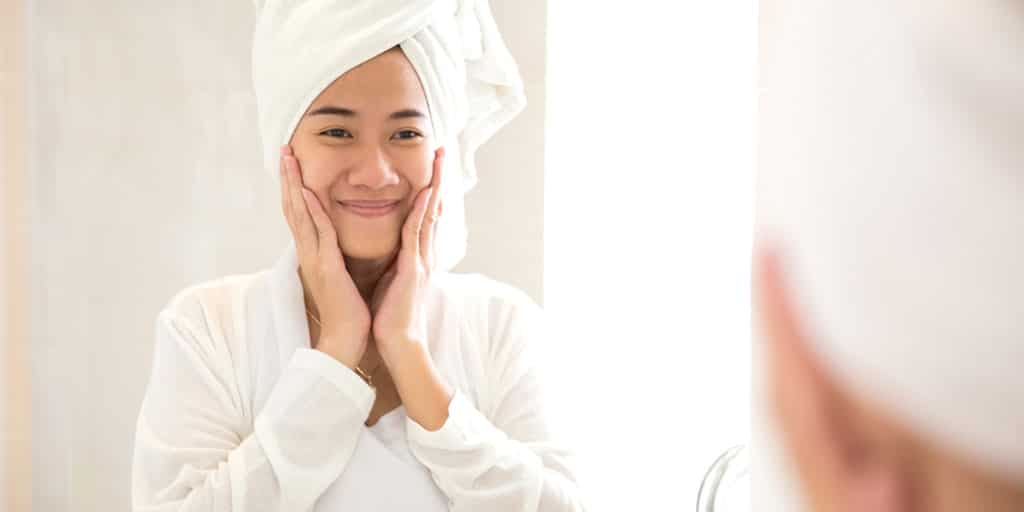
387 81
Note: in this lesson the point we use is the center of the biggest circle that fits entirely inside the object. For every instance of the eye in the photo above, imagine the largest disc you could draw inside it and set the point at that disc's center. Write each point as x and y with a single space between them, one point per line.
407 135
337 132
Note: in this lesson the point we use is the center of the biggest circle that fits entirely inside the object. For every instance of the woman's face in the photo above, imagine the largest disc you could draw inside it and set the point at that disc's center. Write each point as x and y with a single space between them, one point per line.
366 149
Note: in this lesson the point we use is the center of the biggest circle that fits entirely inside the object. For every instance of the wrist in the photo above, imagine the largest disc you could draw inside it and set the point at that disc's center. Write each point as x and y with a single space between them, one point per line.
425 393
400 353
344 353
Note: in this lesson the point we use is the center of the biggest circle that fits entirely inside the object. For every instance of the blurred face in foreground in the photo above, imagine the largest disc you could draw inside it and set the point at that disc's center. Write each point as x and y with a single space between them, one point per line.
849 454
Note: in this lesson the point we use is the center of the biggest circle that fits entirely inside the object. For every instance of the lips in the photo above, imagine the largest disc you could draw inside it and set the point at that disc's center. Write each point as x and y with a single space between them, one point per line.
370 208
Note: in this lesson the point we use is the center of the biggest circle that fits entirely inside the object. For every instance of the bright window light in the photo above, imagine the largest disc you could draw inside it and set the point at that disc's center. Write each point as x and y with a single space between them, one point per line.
648 235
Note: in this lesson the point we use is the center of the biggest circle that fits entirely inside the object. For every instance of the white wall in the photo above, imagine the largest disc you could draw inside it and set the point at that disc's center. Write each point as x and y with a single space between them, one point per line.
146 178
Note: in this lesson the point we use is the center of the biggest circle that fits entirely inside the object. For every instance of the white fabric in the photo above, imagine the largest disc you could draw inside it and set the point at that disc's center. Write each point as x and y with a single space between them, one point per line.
471 82
241 415
892 167
385 476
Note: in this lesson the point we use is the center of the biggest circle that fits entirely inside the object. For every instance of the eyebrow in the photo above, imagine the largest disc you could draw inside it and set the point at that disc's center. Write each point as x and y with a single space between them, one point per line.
345 112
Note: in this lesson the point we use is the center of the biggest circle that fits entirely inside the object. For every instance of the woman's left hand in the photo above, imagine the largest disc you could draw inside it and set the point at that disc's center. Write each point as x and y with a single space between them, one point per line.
399 315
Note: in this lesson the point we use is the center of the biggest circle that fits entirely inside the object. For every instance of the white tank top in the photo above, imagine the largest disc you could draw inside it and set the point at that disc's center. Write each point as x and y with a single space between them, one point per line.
383 475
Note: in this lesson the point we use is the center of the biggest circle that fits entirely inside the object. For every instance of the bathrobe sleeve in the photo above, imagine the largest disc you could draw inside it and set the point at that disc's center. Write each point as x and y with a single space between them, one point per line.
197 449
507 460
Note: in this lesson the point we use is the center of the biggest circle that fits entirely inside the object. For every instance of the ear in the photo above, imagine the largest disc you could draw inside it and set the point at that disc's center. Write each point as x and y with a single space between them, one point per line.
842 465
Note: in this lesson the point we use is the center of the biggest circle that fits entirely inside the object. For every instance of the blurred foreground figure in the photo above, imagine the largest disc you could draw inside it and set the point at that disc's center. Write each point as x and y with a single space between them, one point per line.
889 276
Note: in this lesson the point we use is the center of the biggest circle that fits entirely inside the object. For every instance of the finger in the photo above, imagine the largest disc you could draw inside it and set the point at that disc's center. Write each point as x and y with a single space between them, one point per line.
286 201
289 208
305 230
800 395
329 249
426 241
413 224
433 236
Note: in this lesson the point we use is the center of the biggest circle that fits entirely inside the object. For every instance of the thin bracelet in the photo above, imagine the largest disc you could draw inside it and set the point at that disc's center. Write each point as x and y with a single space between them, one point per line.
362 373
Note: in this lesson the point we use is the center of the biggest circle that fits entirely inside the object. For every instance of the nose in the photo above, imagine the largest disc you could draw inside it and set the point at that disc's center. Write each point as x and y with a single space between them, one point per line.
372 169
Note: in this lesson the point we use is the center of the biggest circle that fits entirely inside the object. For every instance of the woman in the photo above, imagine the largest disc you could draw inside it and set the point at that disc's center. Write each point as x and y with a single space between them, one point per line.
356 374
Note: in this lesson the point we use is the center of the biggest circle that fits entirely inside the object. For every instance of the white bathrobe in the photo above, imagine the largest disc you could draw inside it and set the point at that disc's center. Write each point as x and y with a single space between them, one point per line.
242 415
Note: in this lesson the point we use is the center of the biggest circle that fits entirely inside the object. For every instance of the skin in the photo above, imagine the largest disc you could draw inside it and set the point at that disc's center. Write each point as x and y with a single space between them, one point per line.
366 279
851 455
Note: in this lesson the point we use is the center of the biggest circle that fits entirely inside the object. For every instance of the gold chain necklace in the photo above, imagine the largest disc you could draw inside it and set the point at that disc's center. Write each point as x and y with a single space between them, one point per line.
368 377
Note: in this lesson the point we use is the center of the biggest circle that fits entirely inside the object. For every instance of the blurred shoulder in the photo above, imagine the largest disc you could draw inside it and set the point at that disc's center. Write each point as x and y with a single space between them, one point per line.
217 304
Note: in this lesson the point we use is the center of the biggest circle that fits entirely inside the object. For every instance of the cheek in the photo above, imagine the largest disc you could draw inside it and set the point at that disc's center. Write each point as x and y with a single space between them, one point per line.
319 168
416 167
315 164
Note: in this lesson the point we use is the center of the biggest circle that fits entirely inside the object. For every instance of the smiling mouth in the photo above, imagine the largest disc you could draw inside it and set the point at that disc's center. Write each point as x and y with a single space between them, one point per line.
370 208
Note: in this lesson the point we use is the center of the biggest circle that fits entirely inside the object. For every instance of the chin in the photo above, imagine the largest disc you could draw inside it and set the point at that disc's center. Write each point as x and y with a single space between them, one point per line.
369 249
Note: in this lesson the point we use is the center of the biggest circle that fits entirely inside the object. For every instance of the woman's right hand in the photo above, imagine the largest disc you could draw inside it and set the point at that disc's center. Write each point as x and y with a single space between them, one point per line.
344 317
